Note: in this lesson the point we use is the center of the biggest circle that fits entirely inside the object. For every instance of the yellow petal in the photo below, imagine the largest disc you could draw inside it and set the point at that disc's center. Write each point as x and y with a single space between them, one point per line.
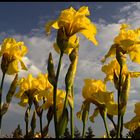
134 74
13 67
137 109
135 55
124 26
133 124
110 53
112 108
50 24
89 33
84 11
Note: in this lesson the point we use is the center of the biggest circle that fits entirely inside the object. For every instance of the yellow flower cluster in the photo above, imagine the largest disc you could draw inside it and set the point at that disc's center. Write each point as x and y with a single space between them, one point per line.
12 53
72 22
114 66
129 41
94 91
39 88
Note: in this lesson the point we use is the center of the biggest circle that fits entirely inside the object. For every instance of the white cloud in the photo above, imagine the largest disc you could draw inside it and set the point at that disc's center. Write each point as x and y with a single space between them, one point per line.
130 14
89 56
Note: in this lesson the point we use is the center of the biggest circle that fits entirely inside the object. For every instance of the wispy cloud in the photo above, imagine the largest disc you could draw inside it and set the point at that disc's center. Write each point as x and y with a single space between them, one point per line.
89 65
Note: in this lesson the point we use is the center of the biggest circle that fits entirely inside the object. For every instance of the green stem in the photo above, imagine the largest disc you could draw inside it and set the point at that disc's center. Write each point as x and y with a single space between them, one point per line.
41 130
65 102
106 128
115 127
111 119
54 95
121 125
27 124
72 114
84 129
119 113
1 87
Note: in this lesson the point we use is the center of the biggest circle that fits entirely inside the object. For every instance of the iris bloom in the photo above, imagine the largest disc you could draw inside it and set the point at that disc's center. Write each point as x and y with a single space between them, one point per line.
129 41
94 91
72 22
134 123
12 53
27 89
31 87
114 66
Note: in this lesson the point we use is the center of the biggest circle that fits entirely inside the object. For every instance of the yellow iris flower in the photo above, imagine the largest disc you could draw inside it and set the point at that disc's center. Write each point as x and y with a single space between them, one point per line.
114 66
73 22
39 88
44 84
94 91
13 52
31 87
134 123
129 41
27 89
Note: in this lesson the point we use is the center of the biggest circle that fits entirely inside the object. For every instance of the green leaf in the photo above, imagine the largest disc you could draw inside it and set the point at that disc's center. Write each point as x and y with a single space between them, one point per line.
63 121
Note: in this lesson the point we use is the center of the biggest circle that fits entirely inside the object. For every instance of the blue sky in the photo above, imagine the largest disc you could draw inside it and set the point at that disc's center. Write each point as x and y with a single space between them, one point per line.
25 21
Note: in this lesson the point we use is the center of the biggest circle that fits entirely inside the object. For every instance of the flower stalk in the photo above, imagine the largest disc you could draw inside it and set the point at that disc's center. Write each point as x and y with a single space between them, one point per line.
54 95
72 114
119 109
105 124
103 112
40 119
84 129
1 88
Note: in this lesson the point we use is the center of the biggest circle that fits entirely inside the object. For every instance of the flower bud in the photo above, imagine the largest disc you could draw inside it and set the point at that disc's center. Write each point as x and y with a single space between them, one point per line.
27 114
6 60
5 107
51 71
74 54
69 79
62 39
12 89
